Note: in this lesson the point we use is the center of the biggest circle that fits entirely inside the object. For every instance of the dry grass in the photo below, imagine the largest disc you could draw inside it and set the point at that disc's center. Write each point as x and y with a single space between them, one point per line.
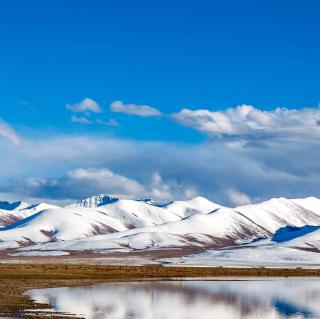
16 279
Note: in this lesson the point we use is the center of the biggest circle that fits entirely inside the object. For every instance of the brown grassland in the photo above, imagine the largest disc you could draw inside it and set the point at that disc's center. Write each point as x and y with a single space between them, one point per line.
16 279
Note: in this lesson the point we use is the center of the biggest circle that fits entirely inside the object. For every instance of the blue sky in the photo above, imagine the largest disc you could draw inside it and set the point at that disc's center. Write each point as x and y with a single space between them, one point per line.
169 56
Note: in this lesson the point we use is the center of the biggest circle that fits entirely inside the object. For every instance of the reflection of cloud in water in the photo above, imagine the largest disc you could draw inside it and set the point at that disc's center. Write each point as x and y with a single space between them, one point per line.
290 298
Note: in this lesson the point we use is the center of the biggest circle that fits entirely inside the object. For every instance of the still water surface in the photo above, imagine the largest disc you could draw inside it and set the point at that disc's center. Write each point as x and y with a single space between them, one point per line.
245 299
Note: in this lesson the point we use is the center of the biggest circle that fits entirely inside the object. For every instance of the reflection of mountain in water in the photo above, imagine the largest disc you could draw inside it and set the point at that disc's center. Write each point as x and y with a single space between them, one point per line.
188 299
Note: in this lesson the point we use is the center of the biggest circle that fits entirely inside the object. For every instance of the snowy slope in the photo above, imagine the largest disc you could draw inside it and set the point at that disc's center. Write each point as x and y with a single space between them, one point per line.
60 224
139 213
197 205
279 212
275 256
13 212
290 245
310 203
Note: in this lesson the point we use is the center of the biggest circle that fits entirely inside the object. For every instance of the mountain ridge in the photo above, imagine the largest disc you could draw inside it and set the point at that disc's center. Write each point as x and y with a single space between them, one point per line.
106 224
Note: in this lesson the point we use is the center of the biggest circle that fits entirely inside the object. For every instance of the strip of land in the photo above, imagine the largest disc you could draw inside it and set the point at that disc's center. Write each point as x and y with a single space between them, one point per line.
16 279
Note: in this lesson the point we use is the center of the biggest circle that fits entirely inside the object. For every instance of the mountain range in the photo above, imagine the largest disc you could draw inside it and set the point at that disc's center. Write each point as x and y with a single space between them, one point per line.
277 230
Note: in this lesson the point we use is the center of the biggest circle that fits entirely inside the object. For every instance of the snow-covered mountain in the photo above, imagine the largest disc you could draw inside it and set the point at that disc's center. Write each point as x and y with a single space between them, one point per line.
103 223
13 212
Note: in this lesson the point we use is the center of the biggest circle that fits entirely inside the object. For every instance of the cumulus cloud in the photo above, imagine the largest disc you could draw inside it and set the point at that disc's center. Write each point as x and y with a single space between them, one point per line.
86 105
134 109
9 133
248 122
80 120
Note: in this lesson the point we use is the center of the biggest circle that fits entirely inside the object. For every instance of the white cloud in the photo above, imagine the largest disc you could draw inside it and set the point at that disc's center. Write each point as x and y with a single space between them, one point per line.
161 190
238 198
86 105
103 179
134 109
9 133
80 120
247 122
110 122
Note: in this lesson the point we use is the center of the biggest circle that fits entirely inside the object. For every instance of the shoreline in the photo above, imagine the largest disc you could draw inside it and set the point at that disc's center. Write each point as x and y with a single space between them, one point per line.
172 257
16 279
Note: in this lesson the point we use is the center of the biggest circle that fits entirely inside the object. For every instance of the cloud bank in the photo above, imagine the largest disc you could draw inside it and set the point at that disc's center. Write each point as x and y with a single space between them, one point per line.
248 122
160 170
84 182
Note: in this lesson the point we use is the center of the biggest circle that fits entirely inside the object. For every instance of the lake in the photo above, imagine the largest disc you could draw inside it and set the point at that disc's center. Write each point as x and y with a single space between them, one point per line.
223 299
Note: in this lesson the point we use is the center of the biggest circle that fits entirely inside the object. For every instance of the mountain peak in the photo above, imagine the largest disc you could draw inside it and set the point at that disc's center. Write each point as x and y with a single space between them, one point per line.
95 201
